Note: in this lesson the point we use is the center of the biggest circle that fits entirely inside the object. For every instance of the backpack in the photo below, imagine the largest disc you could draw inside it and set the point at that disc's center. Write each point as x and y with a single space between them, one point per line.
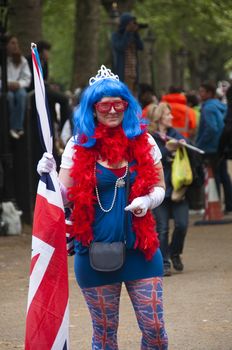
12 218
195 192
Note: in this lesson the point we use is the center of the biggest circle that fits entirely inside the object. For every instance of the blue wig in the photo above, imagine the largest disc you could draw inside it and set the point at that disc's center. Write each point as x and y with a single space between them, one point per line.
84 123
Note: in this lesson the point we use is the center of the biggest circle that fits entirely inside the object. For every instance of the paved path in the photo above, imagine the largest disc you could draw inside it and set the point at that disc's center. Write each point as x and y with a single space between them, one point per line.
198 302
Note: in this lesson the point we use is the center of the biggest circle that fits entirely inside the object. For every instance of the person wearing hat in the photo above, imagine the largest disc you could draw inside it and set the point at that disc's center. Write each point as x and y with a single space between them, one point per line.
126 43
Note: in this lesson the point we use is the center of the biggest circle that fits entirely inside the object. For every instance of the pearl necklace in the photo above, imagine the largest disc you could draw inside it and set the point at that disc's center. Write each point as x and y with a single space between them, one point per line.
120 182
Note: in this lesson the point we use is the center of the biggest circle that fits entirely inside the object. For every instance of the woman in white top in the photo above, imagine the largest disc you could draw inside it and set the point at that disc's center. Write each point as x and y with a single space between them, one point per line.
18 79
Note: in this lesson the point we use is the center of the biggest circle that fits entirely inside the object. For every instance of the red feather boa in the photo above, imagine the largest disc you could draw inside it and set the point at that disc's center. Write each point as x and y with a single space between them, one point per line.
112 145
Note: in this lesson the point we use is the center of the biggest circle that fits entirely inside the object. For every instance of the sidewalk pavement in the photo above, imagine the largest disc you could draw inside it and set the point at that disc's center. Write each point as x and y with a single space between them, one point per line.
198 302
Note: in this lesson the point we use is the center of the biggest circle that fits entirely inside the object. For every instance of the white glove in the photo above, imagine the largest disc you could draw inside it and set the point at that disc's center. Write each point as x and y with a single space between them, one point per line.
140 205
46 164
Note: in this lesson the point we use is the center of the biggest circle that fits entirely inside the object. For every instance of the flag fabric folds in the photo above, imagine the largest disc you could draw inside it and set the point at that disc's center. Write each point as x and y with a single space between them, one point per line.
48 308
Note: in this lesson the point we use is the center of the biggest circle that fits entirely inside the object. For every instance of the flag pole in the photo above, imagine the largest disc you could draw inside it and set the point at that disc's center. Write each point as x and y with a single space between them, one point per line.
47 321
187 145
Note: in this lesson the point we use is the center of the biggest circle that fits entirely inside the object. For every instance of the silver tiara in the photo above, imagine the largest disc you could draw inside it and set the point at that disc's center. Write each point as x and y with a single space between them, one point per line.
103 73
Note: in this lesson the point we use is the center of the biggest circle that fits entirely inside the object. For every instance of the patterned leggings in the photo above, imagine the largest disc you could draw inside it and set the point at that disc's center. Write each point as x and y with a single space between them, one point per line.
147 298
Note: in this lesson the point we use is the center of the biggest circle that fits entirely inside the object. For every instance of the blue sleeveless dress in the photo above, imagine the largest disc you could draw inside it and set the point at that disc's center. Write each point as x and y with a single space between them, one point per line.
109 227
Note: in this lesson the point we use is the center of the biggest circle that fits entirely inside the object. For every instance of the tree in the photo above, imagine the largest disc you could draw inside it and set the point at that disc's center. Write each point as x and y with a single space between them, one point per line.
187 30
192 39
86 41
120 5
25 18
58 29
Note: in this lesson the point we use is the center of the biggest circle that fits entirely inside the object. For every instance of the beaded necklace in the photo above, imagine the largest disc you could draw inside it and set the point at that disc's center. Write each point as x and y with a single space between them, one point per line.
120 182
113 145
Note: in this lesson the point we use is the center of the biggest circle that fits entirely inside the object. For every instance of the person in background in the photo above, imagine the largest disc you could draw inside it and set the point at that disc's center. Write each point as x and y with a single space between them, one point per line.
54 94
18 79
3 229
193 102
172 207
58 106
126 43
209 133
67 129
148 114
184 117
225 152
196 192
110 142
225 142
221 90
146 97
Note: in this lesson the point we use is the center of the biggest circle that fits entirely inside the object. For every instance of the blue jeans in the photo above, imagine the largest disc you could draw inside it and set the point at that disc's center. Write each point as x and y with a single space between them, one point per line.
178 211
17 106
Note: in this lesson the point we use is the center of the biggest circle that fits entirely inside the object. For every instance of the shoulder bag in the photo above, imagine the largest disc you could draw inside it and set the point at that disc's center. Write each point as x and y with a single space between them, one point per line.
107 257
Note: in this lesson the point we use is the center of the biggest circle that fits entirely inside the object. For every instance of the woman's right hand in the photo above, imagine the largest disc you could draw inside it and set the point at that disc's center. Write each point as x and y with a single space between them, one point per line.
46 164
172 145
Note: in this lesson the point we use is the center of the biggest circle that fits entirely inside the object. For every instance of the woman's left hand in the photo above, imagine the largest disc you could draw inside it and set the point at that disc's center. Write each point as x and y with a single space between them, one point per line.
139 206
172 145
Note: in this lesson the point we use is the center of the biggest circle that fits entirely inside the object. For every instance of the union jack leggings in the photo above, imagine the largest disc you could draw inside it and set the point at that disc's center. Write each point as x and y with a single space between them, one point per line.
147 299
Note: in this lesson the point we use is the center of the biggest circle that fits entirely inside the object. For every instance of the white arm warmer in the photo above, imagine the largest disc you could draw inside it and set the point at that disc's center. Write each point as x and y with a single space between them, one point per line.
64 192
156 197
150 201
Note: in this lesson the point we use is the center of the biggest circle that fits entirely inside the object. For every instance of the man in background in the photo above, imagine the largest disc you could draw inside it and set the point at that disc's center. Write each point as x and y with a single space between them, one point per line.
209 133
184 117
125 44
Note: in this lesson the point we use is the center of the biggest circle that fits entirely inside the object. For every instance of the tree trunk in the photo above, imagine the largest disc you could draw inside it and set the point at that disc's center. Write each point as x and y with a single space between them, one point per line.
121 6
176 76
25 17
126 5
162 68
146 61
86 41
194 71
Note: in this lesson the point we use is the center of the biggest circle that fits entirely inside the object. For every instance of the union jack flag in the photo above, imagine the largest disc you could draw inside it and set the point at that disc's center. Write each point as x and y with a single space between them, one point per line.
48 308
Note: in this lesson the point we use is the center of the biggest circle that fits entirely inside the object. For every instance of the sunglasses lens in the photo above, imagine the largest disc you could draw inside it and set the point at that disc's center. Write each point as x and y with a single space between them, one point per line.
120 106
105 107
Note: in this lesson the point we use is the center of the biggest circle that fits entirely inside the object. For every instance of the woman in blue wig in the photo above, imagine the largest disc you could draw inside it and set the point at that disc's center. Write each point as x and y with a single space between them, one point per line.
112 177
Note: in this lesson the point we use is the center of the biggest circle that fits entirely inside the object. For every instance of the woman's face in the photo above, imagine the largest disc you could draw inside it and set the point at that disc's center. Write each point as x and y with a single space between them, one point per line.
110 111
13 46
166 119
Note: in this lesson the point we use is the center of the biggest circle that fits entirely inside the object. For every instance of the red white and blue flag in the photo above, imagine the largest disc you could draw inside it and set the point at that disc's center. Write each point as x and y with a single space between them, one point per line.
48 307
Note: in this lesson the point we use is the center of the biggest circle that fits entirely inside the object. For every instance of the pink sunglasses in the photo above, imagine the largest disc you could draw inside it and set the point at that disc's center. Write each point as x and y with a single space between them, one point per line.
105 107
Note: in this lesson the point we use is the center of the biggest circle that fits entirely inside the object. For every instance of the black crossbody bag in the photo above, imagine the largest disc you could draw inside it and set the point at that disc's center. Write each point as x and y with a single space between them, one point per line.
107 257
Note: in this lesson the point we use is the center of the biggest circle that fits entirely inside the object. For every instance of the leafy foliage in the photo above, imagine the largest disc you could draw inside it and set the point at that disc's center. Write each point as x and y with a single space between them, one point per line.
173 19
58 29
201 28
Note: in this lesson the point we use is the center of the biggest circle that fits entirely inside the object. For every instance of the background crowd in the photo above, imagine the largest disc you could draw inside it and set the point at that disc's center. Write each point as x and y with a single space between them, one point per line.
201 117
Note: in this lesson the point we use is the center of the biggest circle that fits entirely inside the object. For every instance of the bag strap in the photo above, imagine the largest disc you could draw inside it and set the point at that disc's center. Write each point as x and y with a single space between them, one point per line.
126 212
